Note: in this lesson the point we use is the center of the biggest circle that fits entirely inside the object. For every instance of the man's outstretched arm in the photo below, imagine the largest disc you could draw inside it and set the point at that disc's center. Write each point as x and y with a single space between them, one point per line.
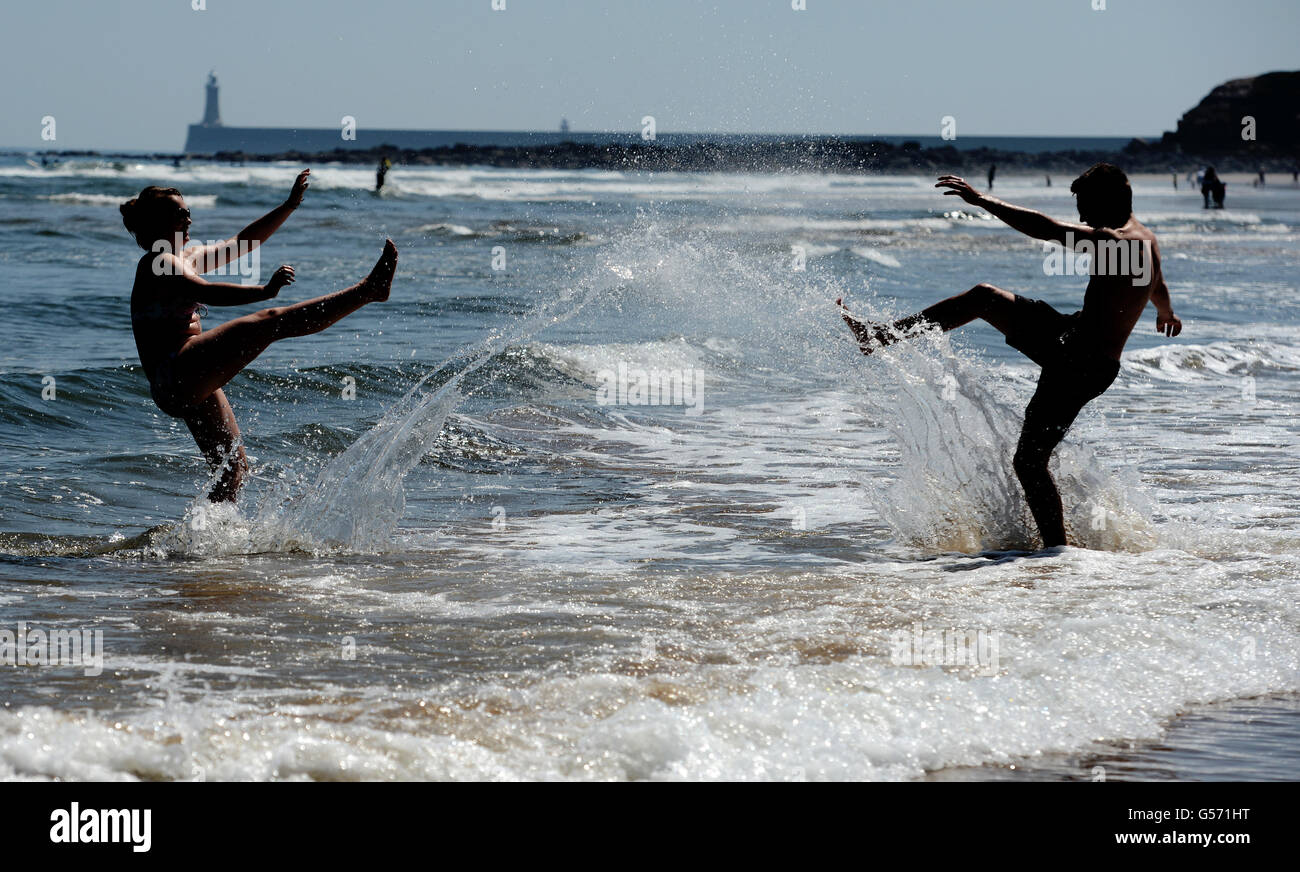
1166 321
1027 221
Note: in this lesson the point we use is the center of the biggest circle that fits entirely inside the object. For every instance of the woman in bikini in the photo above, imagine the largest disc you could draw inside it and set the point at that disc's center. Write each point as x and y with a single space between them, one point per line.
187 365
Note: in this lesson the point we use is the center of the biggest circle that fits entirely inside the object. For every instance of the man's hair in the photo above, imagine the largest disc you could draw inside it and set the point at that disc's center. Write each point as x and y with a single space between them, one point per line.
1105 198
144 214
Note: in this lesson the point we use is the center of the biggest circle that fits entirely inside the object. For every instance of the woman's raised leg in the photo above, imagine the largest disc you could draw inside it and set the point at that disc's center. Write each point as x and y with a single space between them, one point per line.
215 356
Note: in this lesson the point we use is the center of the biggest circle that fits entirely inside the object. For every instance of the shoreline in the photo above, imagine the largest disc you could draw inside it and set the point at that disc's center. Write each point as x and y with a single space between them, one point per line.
813 154
1204 743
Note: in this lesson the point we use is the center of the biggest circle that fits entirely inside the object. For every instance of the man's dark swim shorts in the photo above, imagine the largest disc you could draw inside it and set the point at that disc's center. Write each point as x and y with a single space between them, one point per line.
1073 374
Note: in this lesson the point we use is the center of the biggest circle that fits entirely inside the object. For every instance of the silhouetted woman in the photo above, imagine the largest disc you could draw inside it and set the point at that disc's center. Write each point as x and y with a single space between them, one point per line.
187 365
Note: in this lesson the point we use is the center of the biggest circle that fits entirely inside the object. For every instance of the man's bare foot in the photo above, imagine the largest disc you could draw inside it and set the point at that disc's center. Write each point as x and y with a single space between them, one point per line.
380 281
870 336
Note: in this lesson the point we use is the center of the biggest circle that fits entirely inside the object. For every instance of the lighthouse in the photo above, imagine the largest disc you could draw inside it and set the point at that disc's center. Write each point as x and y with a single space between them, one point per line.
211 113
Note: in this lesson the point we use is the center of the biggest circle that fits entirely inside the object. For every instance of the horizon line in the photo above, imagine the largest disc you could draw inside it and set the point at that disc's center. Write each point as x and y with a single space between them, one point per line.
11 149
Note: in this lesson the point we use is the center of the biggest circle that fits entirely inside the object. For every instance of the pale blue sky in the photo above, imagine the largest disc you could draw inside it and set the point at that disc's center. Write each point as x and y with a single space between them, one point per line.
129 75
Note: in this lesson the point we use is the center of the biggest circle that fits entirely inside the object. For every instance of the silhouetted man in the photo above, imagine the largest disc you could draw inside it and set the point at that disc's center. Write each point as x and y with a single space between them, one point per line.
1079 353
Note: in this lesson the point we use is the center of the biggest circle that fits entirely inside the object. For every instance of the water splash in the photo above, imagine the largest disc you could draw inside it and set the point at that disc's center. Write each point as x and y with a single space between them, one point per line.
956 430
954 418
947 411
358 497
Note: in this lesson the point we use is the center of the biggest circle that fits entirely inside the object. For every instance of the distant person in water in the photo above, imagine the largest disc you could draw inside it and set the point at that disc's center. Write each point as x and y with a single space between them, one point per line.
1079 353
187 365
380 173
1212 187
993 171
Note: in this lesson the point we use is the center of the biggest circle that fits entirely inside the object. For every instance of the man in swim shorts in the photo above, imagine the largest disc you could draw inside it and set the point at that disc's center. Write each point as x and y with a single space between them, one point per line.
1079 353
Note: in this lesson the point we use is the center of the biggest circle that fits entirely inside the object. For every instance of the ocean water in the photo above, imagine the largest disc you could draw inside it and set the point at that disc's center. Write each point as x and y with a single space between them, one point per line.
471 550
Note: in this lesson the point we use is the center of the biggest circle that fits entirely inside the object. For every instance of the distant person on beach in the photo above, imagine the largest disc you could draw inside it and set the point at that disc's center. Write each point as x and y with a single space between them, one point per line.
380 173
1049 180
1212 187
187 365
1079 353
1261 177
993 171
1175 181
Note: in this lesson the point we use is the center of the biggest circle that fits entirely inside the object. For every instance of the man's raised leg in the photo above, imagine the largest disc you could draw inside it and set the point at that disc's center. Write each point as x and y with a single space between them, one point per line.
993 304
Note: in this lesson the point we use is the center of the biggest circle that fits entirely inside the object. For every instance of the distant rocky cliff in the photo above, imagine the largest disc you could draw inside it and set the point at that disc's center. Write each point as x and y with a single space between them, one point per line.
1214 127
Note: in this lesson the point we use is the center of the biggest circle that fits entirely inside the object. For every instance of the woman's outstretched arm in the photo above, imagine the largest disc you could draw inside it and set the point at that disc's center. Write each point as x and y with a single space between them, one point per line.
184 282
206 258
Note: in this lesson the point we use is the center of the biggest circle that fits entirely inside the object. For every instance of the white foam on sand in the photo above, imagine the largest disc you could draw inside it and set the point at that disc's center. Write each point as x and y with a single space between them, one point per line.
800 679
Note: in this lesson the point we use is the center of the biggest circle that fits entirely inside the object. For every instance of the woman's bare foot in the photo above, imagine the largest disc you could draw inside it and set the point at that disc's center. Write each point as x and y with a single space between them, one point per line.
870 336
380 281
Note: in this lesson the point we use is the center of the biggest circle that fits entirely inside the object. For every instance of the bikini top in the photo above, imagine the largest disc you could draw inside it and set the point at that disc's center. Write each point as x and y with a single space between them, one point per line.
171 311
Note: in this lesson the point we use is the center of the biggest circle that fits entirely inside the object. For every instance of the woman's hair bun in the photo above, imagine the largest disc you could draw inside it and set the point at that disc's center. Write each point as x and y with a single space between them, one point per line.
142 214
